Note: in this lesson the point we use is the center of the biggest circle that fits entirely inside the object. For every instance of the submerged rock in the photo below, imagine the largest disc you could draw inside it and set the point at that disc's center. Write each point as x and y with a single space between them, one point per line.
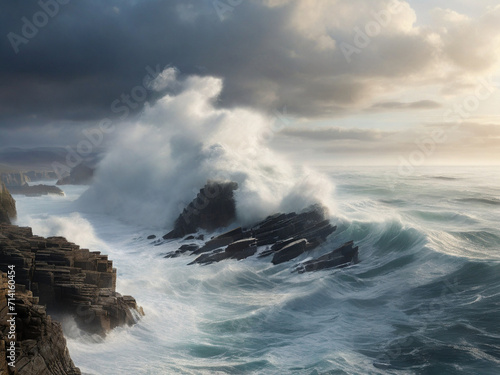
182 250
341 257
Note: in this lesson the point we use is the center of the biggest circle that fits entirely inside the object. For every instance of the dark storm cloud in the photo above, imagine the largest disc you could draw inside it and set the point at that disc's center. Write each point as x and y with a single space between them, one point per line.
92 52
270 53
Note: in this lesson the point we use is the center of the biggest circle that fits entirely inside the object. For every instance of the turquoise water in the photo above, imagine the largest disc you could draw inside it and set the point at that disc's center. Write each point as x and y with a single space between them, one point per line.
424 299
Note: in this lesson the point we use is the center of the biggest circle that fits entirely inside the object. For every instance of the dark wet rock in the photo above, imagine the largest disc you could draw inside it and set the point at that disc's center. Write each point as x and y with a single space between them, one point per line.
67 279
244 253
151 237
221 255
214 244
80 175
7 205
214 207
189 238
241 245
290 251
235 234
341 257
183 249
285 236
188 247
289 236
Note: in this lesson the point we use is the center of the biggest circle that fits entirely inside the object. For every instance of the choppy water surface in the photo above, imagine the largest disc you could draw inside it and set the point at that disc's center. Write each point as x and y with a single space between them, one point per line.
425 298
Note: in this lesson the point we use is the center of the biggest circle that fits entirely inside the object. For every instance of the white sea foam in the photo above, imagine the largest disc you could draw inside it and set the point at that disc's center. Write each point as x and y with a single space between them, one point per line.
159 162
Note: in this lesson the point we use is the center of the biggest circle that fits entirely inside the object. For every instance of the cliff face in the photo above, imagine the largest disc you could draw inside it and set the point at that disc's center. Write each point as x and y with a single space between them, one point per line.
67 279
15 179
40 343
17 183
7 205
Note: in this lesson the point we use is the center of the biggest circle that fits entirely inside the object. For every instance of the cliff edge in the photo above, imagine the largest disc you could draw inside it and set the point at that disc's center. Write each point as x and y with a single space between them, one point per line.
7 205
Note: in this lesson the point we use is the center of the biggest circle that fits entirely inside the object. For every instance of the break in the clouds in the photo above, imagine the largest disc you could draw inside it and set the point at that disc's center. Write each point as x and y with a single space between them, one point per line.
68 64
422 104
335 134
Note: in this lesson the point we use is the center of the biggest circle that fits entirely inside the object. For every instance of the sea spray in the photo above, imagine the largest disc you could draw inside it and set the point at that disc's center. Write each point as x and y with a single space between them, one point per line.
158 163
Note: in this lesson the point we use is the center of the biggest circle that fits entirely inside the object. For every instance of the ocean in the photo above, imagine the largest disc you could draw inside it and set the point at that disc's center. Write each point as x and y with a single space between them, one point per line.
424 298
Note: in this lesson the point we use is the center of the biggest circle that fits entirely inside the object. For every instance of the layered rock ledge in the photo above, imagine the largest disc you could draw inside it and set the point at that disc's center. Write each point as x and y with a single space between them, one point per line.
52 275
67 279
281 237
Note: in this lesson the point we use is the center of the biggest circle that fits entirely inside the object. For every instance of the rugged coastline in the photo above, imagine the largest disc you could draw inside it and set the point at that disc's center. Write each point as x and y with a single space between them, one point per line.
281 237
52 276
18 182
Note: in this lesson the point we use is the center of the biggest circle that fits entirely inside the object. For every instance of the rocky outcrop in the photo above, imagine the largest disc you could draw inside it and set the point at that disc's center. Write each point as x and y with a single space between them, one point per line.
281 237
67 279
341 257
7 205
40 346
18 178
17 183
213 208
79 175
36 190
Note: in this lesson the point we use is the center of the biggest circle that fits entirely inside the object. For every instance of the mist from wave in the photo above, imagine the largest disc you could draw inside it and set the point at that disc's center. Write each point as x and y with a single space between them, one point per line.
158 162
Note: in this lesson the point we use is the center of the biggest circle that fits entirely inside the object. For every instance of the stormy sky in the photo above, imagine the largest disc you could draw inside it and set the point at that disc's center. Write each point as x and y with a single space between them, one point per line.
358 81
